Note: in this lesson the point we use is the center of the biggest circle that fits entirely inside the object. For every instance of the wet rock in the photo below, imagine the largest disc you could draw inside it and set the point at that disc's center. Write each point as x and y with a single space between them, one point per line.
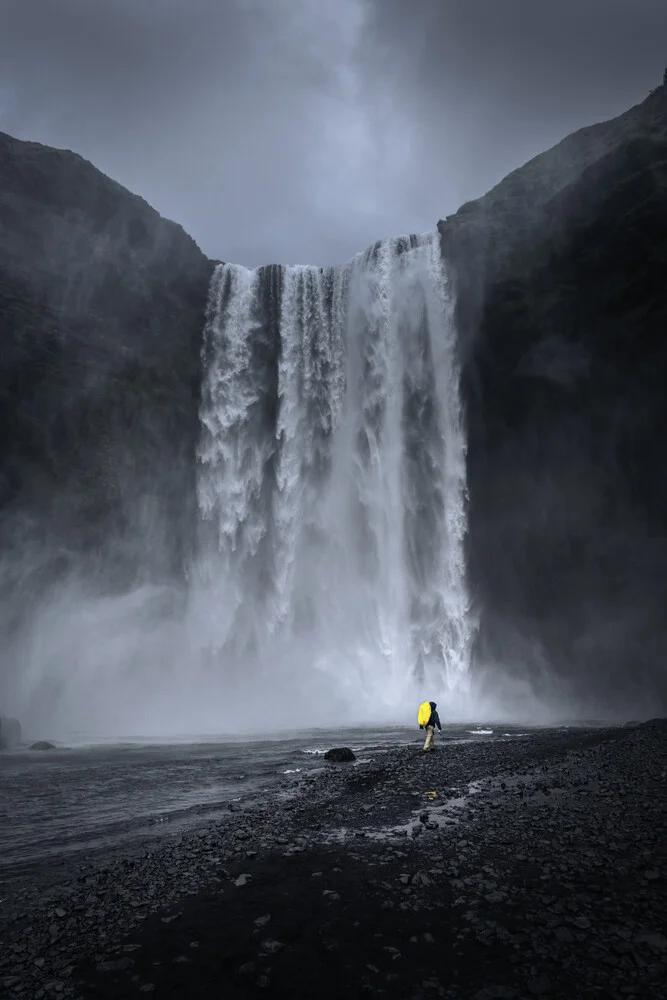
563 934
540 986
495 897
340 755
271 946
42 745
115 965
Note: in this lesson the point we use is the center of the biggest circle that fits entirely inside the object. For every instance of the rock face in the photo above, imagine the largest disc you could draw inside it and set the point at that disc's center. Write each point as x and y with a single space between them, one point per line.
562 282
10 733
561 274
101 311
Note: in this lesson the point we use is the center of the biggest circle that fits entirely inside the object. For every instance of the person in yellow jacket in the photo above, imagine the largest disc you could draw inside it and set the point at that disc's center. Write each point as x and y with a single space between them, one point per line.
434 720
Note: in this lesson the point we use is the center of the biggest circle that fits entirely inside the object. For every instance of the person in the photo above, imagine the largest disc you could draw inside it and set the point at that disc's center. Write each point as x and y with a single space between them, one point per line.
433 721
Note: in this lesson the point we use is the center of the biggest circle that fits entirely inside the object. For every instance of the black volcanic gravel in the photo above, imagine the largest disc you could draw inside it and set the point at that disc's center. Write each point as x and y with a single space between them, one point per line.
546 878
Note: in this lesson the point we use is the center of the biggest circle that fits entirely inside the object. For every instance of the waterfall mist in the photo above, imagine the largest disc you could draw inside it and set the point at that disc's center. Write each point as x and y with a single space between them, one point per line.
328 585
329 581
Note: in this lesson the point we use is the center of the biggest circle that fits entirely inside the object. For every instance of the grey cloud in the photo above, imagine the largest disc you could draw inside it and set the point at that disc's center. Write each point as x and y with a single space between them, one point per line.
299 131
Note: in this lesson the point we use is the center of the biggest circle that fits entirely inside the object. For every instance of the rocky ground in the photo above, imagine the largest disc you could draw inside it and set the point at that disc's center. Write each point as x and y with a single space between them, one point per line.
538 868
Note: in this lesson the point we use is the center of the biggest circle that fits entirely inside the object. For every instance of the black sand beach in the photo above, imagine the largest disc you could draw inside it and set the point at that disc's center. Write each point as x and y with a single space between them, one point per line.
538 868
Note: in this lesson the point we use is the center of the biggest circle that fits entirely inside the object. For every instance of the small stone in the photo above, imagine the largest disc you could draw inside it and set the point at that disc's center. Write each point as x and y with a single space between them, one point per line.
540 986
147 988
272 946
60 912
242 880
654 940
260 921
115 965
421 878
563 934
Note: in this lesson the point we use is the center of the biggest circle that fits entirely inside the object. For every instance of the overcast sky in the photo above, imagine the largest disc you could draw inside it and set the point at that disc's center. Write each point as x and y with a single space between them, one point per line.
300 131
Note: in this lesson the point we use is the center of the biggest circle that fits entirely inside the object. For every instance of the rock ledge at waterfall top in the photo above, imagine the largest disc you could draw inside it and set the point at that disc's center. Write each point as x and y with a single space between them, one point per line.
562 308
523 213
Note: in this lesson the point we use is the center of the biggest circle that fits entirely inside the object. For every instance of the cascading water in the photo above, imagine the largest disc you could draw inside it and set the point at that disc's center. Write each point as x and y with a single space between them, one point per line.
332 472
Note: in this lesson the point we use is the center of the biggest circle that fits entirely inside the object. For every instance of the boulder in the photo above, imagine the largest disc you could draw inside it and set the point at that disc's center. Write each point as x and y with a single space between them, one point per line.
10 733
43 745
340 755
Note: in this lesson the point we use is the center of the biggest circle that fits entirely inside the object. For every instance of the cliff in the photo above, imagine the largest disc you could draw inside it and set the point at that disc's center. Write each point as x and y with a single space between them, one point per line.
562 307
562 281
101 311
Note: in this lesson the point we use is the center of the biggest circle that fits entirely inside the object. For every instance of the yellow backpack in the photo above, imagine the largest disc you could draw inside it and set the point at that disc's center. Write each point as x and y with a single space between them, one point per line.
424 713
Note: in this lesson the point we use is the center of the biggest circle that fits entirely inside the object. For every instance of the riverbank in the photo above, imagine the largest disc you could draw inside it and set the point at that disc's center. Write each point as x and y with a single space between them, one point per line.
539 868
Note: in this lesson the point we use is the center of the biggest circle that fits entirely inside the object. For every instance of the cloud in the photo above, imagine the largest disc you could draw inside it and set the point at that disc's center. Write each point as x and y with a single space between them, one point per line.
298 131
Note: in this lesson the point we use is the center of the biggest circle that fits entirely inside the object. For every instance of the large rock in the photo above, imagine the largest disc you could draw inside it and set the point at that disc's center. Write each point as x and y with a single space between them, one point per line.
340 755
10 733
562 280
101 311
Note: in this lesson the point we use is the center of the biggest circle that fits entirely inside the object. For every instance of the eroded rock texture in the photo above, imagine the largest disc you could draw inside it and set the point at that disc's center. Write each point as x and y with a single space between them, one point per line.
562 276
101 311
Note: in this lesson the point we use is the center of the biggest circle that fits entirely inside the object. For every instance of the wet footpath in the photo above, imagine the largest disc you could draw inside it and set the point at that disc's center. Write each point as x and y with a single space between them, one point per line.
528 868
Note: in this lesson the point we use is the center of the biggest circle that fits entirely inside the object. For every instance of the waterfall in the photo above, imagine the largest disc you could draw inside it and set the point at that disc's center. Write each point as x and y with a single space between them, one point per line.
332 470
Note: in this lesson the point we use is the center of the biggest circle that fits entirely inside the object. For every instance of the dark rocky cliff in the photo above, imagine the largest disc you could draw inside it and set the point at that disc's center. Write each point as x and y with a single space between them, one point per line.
101 312
562 280
561 273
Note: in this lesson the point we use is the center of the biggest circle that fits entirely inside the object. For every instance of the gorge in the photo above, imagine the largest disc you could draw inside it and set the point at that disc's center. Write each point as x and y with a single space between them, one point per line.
269 492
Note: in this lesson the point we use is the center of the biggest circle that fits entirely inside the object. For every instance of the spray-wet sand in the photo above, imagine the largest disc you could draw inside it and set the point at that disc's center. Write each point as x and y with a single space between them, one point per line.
538 868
